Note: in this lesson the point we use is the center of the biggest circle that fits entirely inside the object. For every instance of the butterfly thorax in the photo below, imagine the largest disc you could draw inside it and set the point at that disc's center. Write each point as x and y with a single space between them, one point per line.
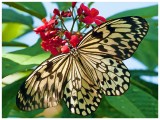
74 52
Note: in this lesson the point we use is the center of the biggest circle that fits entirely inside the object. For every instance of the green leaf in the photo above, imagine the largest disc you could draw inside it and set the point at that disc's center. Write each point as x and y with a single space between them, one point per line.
105 110
10 67
14 77
146 12
63 6
17 30
31 51
24 114
148 87
125 106
23 59
9 15
13 44
146 103
26 59
153 29
90 4
136 73
135 103
34 8
8 100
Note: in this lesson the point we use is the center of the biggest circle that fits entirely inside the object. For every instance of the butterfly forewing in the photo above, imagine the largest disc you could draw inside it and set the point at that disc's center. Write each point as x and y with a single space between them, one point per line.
44 87
118 38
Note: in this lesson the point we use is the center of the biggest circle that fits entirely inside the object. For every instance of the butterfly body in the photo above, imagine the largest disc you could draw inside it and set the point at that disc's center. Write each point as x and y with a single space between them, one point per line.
94 68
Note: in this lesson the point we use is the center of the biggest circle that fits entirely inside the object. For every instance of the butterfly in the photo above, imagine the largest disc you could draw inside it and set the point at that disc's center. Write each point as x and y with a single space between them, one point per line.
81 76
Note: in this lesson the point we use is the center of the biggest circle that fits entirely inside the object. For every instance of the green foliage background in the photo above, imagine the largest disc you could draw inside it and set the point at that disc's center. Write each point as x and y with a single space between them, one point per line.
140 101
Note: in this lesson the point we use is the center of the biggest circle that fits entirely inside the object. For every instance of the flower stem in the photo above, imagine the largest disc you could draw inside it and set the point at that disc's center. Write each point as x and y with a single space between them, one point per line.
63 24
74 20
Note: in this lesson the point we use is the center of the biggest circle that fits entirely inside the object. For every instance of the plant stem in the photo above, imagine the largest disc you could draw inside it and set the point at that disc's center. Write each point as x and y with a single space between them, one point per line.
62 23
74 20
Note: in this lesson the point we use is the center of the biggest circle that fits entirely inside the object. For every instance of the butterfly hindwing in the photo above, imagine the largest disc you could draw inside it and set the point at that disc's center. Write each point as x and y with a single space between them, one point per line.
118 38
111 75
44 87
81 95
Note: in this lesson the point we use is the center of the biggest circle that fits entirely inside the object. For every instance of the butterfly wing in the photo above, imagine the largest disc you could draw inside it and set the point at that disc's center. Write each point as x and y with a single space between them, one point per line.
118 38
111 75
44 87
81 95
103 48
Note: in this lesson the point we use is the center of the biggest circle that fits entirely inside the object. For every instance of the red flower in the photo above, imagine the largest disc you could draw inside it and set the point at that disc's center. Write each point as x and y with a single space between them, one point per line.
73 4
65 49
85 9
56 12
74 40
39 29
90 16
57 40
54 51
66 14
79 11
52 22
67 34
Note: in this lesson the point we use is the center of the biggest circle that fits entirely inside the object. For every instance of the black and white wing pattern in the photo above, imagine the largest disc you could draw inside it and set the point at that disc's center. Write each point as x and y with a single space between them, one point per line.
111 75
44 87
81 95
93 68
103 48
117 38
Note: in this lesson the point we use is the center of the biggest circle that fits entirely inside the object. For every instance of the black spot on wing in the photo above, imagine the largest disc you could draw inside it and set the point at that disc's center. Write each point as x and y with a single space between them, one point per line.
101 48
60 75
97 34
49 67
38 74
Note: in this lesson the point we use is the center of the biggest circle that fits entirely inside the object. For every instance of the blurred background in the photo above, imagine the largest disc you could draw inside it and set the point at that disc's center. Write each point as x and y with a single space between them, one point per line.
21 52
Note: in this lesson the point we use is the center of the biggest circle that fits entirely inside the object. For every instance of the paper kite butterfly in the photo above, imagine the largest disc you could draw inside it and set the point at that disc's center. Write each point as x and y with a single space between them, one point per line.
81 76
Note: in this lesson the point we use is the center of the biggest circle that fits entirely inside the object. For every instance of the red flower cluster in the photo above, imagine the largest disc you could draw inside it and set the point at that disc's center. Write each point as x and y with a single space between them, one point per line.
60 40
63 13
